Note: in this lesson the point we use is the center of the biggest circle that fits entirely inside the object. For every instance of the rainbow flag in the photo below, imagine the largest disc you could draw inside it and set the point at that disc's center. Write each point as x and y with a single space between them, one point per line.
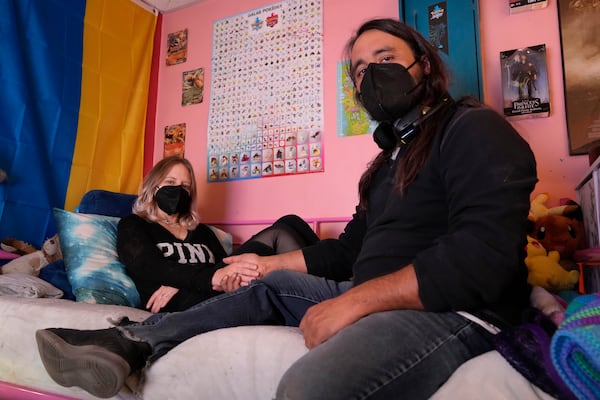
75 80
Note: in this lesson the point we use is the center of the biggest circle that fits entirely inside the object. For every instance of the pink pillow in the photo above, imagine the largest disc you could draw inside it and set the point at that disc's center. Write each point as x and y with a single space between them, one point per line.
5 255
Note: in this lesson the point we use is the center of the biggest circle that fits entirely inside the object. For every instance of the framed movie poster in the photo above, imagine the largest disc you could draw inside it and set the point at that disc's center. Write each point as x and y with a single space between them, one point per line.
580 38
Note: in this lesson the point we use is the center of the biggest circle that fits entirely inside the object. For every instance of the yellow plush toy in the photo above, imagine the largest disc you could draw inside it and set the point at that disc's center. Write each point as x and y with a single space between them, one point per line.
545 270
539 209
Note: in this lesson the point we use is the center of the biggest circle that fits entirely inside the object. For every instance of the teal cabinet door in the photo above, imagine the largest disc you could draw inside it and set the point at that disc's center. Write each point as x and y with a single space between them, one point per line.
453 27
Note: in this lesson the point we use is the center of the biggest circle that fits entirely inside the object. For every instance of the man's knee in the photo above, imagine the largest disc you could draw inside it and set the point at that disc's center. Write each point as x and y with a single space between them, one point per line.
296 384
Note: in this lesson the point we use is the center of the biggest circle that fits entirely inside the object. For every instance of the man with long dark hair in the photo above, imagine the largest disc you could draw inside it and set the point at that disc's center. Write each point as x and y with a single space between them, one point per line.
428 269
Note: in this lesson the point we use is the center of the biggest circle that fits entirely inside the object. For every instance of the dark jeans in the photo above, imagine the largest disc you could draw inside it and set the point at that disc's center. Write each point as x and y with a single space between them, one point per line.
387 355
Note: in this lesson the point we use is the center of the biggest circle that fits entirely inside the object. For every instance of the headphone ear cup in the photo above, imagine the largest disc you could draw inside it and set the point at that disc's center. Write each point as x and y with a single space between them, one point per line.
384 136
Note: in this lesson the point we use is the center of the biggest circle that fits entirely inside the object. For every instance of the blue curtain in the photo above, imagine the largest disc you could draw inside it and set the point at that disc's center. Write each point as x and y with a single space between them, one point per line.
41 42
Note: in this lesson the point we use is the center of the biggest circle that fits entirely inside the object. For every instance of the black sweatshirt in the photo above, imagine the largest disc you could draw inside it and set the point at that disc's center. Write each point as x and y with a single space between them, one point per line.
154 257
462 222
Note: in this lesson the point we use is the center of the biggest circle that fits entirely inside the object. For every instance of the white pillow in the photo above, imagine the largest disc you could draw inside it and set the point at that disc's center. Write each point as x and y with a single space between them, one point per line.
24 285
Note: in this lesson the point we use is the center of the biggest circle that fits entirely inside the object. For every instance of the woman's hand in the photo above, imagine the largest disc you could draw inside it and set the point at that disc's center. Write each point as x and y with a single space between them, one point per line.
232 276
160 298
229 283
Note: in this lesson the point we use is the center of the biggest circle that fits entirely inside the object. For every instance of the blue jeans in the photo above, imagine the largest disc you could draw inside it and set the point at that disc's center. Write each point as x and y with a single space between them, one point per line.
280 298
387 355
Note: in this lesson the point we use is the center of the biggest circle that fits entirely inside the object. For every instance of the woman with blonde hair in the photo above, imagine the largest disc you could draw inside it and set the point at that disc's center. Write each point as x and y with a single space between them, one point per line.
175 260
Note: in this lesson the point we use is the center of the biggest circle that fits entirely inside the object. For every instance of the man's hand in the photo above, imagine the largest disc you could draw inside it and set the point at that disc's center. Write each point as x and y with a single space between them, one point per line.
292 261
396 291
327 318
242 260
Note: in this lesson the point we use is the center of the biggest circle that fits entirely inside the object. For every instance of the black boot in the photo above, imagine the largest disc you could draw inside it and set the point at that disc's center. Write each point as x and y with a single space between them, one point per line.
97 361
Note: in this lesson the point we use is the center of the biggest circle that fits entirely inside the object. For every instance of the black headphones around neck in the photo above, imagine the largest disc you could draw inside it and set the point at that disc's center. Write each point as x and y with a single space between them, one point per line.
388 135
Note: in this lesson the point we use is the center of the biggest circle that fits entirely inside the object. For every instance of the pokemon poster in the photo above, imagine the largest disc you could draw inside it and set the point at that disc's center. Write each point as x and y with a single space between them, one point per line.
352 118
266 99
192 87
177 47
174 140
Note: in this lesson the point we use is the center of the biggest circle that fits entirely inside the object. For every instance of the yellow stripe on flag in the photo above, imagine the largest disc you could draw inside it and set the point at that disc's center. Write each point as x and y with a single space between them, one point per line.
117 57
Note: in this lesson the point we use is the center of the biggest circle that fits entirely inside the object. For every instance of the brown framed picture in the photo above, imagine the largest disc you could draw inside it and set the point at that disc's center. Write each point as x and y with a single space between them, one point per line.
580 41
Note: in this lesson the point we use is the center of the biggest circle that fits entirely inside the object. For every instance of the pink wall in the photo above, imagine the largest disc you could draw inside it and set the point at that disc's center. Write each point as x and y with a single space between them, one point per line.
333 192
557 171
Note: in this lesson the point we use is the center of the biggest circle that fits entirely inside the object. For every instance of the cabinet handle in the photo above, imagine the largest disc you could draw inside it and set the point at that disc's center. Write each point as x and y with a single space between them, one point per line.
415 23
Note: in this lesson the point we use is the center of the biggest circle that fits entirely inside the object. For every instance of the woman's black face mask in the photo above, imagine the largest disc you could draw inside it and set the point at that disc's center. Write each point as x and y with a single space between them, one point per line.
387 91
173 199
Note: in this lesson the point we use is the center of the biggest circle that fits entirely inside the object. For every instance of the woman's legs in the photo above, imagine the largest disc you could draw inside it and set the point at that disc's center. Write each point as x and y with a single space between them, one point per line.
388 355
99 361
288 233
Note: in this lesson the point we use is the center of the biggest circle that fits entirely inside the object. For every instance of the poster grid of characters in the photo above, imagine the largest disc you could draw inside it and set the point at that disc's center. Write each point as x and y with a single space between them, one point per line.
266 101
352 118
525 82
174 140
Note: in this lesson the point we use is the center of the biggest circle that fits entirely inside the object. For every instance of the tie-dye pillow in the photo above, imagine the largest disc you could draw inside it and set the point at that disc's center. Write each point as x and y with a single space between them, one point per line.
89 246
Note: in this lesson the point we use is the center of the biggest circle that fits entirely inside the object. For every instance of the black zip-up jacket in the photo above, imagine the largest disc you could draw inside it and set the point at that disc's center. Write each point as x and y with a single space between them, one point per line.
461 223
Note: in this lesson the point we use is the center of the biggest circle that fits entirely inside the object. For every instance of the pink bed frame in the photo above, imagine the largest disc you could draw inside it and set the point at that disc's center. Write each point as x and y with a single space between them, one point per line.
9 391
323 227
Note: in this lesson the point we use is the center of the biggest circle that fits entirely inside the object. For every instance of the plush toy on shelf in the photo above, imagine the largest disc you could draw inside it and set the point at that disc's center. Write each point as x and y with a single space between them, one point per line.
538 207
558 228
544 269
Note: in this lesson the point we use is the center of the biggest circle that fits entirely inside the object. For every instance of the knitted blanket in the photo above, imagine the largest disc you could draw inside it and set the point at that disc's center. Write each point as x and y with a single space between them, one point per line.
575 347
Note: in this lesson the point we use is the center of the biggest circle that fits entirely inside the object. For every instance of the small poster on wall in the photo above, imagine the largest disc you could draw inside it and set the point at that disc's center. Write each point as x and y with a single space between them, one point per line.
353 119
517 6
193 87
438 26
525 82
174 140
177 47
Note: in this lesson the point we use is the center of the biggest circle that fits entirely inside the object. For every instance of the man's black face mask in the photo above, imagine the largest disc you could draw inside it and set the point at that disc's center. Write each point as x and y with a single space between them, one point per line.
387 91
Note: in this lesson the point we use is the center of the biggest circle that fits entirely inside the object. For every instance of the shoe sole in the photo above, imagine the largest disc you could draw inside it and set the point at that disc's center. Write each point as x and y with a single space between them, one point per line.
92 368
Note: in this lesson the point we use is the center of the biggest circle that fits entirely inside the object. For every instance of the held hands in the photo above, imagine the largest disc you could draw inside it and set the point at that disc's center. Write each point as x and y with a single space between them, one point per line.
250 266
234 275
160 298
250 258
